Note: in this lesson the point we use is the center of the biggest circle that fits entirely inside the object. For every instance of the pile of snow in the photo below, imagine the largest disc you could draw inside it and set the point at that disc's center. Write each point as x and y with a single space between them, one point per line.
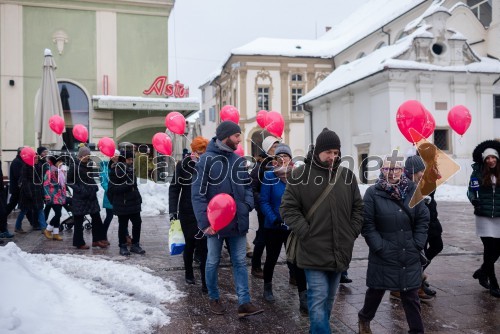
77 294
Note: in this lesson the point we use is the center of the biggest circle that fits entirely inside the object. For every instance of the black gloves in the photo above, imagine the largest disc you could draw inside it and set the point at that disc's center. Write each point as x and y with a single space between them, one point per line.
173 216
278 222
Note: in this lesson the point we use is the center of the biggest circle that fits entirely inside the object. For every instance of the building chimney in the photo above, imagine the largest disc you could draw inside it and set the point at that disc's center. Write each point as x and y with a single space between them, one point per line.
328 28
494 30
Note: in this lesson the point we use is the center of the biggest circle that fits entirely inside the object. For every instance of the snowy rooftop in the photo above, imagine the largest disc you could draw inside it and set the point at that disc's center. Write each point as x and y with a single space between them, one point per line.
384 58
285 47
364 21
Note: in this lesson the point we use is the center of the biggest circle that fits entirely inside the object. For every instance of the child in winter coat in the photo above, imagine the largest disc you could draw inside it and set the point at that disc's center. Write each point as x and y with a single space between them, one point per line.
54 185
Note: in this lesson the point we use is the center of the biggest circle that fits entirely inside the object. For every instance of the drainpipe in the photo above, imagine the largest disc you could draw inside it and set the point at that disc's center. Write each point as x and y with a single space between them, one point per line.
388 35
220 98
309 110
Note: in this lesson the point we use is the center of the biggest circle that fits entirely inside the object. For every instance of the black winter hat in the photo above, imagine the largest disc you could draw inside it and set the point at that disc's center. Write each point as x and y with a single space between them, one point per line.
327 140
227 129
414 164
127 154
40 150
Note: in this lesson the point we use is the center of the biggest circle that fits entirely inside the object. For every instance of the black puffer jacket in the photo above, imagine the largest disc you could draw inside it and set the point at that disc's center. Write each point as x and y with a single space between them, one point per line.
122 190
179 192
31 188
435 228
15 174
394 261
81 180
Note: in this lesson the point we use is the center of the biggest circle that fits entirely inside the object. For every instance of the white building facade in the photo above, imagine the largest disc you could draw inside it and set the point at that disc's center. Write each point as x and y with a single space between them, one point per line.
437 52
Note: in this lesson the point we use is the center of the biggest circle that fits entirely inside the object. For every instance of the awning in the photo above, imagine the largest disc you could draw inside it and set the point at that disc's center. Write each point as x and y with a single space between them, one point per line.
186 106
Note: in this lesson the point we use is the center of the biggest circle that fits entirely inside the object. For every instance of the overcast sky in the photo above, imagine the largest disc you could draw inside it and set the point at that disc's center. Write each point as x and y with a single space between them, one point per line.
202 33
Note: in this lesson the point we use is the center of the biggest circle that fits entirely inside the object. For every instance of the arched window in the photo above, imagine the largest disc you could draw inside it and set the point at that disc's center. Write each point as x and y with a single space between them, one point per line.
75 105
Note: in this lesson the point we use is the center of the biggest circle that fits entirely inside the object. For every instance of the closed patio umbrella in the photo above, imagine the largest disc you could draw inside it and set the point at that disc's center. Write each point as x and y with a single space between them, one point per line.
48 103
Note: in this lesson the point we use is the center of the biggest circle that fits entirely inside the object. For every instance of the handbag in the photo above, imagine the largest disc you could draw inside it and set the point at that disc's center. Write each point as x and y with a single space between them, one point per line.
176 241
424 261
291 242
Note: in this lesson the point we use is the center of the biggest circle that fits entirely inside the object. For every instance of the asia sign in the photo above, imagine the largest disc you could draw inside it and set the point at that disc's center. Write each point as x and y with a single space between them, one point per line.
161 87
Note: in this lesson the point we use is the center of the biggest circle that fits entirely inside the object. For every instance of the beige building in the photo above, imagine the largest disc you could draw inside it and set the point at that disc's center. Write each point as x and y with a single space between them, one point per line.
253 82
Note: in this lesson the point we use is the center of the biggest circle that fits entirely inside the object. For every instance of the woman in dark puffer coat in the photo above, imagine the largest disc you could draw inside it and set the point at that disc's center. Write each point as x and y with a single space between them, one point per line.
126 200
394 241
84 201
31 195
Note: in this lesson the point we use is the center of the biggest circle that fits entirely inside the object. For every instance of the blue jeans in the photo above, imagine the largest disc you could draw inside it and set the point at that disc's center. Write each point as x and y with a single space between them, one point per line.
237 247
39 213
321 290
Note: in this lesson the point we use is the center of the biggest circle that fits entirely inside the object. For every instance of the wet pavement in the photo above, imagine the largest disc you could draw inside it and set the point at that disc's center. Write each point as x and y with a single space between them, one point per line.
461 305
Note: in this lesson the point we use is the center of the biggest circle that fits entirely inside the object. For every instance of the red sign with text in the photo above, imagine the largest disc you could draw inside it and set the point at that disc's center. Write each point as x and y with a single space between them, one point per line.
161 87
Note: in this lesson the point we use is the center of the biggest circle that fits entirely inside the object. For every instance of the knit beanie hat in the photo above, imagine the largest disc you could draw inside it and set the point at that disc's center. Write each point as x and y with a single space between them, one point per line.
83 151
283 149
227 129
268 142
327 140
490 151
127 154
40 150
414 164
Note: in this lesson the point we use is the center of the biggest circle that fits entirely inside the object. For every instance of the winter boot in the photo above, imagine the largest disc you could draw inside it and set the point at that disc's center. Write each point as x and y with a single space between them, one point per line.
268 292
304 310
364 326
482 277
136 248
494 289
124 250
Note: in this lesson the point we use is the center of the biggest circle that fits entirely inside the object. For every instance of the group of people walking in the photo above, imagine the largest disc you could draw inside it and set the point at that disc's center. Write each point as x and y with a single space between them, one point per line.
318 205
316 209
43 187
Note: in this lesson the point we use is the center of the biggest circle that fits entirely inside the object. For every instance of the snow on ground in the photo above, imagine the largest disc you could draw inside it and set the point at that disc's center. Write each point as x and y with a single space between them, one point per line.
78 294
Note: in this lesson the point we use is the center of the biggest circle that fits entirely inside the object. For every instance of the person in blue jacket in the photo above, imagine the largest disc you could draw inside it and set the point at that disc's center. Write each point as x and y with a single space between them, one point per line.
275 231
219 171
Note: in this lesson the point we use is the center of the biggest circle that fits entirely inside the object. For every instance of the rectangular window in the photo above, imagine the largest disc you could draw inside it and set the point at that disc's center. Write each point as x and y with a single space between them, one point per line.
202 117
442 139
496 106
203 95
211 114
263 98
296 95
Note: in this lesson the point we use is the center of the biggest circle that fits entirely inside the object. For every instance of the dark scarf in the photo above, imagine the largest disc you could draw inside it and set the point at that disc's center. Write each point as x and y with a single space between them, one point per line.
398 190
282 172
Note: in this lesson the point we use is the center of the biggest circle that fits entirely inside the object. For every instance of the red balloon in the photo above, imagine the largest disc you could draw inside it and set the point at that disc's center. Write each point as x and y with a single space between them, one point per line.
56 124
221 211
261 118
81 133
162 143
240 150
411 115
459 118
275 123
107 146
175 122
427 129
28 155
230 113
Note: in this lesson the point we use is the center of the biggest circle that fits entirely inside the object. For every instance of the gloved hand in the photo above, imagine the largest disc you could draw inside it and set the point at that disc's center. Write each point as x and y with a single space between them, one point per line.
475 202
277 222
173 216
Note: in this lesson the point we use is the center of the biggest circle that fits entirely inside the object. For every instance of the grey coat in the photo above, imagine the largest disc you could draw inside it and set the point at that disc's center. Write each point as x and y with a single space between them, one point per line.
393 262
